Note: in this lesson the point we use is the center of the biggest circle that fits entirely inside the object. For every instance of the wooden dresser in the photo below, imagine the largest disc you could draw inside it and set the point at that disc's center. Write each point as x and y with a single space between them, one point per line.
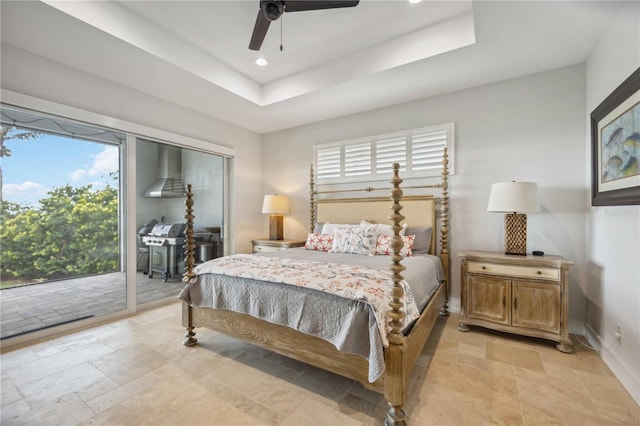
526 295
261 246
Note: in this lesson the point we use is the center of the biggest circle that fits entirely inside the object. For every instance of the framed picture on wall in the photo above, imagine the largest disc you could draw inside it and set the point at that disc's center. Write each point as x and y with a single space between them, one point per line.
615 146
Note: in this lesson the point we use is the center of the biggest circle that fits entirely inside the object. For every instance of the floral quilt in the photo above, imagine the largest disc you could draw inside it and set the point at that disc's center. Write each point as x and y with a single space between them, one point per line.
349 281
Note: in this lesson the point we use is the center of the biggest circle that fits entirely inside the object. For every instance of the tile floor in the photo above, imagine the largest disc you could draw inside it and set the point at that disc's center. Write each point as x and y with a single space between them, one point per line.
136 371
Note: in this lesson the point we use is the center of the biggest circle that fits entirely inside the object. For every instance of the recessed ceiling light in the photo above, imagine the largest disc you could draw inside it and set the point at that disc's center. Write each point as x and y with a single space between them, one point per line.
261 62
414 1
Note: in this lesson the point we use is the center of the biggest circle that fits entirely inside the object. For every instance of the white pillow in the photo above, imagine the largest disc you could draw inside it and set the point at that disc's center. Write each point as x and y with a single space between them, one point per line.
385 229
330 228
355 240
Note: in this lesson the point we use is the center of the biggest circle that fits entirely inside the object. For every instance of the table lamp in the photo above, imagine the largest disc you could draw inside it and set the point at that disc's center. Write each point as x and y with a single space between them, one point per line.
275 205
515 199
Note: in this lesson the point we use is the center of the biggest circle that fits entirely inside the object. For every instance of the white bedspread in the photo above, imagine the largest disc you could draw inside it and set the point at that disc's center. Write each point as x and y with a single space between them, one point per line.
354 282
350 325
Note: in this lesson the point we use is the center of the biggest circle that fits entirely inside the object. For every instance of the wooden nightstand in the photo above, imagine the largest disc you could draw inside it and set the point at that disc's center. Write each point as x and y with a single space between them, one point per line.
261 246
526 295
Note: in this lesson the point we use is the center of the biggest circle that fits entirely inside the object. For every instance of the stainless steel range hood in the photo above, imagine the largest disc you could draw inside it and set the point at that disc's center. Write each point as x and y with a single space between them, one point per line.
169 183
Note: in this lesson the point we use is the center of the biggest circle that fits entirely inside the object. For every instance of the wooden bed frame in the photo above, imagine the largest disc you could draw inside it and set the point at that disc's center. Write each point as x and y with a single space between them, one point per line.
403 350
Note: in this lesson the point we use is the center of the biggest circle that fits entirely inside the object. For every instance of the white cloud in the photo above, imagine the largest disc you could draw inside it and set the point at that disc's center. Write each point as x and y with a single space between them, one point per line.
104 163
78 174
97 185
26 188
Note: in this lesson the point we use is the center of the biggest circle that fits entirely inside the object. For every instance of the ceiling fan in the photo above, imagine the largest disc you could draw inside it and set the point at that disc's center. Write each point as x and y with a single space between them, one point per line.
271 10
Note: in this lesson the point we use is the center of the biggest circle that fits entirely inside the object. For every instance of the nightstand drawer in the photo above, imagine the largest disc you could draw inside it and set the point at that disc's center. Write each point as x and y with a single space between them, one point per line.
513 270
264 249
264 246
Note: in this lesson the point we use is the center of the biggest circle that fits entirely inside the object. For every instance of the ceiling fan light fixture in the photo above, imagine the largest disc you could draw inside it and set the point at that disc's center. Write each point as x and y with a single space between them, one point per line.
262 62
272 9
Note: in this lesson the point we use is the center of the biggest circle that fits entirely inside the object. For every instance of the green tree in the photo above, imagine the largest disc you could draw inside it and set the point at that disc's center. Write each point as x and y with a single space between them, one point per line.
19 236
74 232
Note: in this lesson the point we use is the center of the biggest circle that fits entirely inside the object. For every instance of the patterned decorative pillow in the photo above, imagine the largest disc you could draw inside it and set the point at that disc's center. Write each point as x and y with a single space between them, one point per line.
385 229
384 245
356 240
319 242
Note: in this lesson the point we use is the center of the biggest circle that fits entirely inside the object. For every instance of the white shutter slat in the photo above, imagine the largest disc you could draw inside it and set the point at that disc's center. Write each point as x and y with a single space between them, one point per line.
328 163
427 150
388 151
357 160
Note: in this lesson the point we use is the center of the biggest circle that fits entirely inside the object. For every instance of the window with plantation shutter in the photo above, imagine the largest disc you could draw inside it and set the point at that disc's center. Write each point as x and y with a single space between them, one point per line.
389 151
357 160
418 151
328 163
426 150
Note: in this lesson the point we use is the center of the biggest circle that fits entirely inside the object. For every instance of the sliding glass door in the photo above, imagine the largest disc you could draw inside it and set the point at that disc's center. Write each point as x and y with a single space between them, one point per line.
163 171
92 219
61 257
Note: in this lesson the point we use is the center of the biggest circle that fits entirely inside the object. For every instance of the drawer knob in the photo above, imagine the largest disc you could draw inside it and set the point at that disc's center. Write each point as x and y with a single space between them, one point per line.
484 267
539 272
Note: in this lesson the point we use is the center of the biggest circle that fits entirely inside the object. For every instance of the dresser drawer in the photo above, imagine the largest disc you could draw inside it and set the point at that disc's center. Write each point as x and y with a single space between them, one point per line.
513 270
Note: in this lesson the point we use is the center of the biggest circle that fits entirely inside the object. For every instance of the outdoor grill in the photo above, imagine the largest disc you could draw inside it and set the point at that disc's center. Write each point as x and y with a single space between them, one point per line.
166 251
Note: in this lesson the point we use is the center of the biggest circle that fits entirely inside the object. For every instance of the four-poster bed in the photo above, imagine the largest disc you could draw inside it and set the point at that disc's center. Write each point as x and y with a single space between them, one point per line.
402 342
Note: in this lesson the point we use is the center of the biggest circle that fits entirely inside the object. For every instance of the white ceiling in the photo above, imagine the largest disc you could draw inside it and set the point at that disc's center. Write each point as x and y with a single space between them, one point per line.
334 63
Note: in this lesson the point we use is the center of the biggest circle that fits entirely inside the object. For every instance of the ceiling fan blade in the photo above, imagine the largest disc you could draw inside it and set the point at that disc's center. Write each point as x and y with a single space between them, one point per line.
301 5
259 31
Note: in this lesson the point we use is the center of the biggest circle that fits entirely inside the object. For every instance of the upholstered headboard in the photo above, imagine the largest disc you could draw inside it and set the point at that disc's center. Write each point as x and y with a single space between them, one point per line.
418 211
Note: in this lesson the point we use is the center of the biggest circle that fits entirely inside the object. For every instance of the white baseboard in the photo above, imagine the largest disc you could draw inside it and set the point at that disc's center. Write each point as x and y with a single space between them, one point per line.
623 373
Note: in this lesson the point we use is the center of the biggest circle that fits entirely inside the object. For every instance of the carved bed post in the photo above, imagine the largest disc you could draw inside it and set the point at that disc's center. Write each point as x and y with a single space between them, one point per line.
444 231
312 204
395 383
189 260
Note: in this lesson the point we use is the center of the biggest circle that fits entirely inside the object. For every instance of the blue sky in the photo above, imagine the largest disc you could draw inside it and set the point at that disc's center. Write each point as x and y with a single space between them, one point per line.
39 165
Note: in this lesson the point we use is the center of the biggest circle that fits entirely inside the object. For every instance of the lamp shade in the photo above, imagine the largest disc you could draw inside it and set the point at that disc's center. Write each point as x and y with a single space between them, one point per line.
275 204
514 197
